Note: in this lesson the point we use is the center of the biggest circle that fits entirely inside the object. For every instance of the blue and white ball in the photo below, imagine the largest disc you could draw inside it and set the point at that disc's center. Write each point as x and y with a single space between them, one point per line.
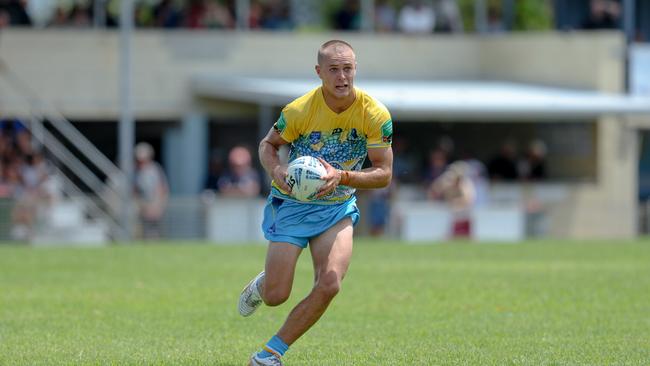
304 177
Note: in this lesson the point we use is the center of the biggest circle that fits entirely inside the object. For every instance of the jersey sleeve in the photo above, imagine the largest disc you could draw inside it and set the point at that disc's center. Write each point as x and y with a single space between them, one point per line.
380 132
286 126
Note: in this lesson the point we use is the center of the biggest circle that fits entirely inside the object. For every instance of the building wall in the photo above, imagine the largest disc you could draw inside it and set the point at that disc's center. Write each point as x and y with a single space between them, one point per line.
78 71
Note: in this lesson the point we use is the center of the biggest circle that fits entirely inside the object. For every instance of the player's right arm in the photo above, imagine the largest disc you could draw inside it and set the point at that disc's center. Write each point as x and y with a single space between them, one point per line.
270 158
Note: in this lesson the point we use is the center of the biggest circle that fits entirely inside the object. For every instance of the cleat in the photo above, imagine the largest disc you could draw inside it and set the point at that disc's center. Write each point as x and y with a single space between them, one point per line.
250 298
268 361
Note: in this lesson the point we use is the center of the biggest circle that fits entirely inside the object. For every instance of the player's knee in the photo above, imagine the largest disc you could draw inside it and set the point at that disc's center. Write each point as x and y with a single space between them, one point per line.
275 297
328 285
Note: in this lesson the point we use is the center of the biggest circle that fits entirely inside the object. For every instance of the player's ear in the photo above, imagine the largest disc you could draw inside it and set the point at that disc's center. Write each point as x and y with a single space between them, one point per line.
317 68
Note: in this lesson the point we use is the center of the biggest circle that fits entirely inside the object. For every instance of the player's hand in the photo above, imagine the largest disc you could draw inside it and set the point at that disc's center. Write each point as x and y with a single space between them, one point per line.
332 179
280 177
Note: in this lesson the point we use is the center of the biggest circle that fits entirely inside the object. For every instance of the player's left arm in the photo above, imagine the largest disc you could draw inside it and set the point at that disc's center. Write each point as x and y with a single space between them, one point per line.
378 175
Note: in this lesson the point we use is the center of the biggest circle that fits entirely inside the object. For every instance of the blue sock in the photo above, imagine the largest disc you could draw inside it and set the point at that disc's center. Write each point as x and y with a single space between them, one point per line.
274 346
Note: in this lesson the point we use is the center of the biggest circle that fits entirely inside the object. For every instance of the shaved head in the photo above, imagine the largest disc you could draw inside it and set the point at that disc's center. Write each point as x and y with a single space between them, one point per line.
332 46
337 66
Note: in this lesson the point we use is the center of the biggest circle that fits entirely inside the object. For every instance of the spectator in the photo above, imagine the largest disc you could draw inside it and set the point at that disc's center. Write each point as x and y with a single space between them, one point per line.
416 18
385 17
60 18
438 161
14 13
348 17
380 208
80 16
34 194
195 13
457 190
405 164
151 191
504 165
277 15
533 166
40 11
34 171
5 18
215 171
241 180
255 14
495 19
478 174
166 15
218 16
604 14
449 19
11 185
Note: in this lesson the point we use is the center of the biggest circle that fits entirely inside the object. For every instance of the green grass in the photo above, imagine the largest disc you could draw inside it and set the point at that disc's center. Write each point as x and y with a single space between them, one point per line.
541 303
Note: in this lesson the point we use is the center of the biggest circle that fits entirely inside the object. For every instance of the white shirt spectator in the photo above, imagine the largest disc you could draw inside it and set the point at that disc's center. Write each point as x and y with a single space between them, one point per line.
416 18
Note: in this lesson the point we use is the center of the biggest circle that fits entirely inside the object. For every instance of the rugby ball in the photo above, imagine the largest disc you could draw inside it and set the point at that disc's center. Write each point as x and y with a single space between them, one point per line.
304 177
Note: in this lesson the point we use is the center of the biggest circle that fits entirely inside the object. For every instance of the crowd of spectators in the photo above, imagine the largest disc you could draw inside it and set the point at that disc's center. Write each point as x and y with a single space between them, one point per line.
26 179
406 16
462 182
192 14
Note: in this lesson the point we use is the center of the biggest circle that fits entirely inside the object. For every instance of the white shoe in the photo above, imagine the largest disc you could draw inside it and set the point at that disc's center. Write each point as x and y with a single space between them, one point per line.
268 361
250 298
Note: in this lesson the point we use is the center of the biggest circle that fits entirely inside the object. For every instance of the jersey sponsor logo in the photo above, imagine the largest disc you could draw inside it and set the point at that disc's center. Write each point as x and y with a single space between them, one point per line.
387 132
280 124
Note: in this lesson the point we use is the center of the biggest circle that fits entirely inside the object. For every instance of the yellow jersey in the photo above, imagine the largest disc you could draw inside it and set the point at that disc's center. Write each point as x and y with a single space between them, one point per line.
341 139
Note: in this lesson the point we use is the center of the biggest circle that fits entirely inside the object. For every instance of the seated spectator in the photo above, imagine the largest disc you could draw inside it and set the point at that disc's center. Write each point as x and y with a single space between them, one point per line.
217 16
385 17
437 165
504 165
80 16
14 13
215 170
35 194
277 16
405 164
416 18
59 19
241 180
448 18
167 15
533 166
348 17
604 14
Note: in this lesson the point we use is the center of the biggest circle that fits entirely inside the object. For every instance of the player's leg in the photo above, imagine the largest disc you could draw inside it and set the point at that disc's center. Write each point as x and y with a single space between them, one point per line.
280 268
331 252
273 285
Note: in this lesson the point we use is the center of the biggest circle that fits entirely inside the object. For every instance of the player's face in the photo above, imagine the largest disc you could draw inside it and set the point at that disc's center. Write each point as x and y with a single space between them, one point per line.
337 71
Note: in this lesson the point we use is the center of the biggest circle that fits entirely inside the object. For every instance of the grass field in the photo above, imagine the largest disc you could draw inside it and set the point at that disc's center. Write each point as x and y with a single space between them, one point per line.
539 303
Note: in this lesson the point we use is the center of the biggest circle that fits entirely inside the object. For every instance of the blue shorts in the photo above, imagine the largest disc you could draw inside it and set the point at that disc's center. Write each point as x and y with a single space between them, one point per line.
296 223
